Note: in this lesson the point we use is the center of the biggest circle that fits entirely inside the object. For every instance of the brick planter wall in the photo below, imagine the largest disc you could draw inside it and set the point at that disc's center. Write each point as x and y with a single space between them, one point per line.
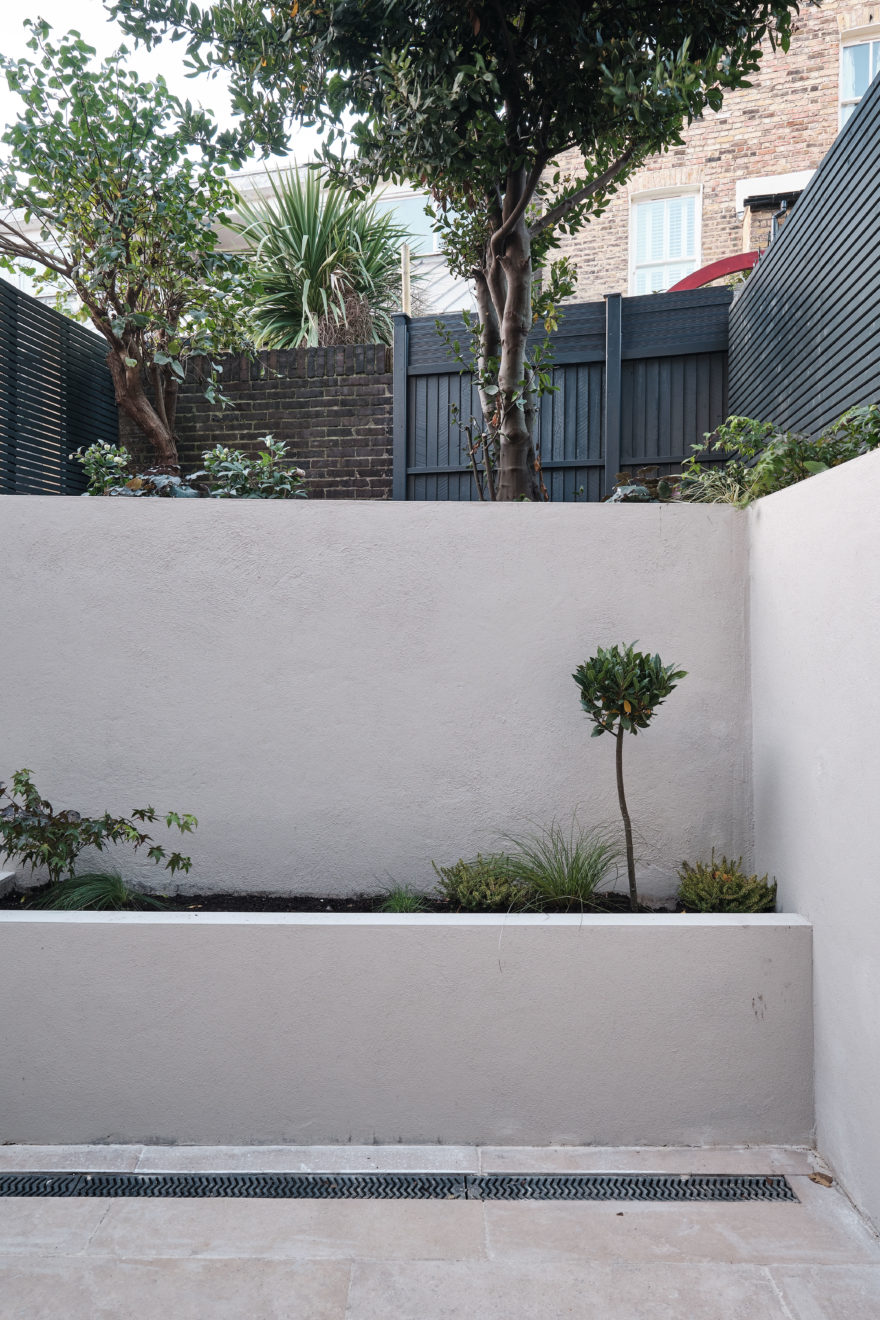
331 405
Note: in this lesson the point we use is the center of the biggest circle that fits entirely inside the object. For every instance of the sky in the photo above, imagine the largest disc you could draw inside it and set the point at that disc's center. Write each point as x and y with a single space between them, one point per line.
90 18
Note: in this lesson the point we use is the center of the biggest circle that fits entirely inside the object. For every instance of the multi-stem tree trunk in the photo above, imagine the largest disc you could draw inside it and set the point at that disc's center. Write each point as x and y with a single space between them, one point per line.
156 423
504 300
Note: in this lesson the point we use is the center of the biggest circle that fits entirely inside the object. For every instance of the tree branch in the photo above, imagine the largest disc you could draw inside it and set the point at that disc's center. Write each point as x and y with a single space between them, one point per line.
562 208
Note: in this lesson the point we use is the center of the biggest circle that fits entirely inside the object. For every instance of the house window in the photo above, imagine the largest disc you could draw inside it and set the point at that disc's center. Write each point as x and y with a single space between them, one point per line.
665 241
859 66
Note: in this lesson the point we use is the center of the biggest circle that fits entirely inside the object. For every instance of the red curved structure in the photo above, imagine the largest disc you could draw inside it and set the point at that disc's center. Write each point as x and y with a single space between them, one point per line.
716 270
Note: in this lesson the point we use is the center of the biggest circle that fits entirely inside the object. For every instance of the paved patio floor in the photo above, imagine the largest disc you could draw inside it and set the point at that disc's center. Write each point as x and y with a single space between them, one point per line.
433 1260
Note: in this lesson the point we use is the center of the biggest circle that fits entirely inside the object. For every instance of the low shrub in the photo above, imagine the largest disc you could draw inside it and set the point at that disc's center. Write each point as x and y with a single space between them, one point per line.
485 884
761 458
723 886
227 474
96 891
561 868
32 831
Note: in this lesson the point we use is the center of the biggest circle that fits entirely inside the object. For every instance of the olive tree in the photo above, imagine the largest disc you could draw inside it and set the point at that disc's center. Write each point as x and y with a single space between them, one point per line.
477 100
110 189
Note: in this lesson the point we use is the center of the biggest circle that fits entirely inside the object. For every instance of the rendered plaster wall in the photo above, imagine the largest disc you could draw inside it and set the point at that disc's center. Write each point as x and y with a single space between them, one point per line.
815 609
341 692
627 1031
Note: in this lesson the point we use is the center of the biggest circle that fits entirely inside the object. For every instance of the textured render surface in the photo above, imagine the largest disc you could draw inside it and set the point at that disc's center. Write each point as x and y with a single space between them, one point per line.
145 1260
342 692
815 592
523 1031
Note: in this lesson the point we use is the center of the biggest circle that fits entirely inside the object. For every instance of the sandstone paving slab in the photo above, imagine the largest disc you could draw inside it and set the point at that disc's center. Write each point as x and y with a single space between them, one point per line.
648 1159
309 1159
25 1159
496 1290
292 1230
94 1289
42 1226
830 1292
822 1229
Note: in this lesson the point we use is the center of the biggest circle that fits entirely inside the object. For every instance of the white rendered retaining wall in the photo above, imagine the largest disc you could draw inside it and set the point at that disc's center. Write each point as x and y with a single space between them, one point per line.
342 692
815 610
231 1029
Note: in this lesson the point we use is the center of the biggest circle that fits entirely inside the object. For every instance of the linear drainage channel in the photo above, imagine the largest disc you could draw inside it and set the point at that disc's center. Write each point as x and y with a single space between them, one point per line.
408 1186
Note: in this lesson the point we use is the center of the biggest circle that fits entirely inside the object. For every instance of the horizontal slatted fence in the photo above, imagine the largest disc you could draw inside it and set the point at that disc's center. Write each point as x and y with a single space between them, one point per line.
638 382
55 395
805 328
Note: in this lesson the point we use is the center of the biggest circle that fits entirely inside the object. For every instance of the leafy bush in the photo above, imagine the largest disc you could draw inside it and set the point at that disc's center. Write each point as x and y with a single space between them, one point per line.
401 898
233 474
761 459
227 474
620 692
485 884
38 835
96 891
723 886
562 868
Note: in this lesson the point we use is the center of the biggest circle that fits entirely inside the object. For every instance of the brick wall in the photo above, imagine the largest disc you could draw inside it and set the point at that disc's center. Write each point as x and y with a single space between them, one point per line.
333 407
785 122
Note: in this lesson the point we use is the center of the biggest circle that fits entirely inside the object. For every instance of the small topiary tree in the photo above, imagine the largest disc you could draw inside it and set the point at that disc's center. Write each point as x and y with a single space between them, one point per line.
620 690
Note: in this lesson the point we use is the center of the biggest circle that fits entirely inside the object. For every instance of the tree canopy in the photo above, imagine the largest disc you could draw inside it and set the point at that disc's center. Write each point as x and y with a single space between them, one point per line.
110 189
477 100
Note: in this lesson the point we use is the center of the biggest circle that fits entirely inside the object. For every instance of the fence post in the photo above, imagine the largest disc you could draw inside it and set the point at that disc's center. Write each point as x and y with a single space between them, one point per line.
613 353
401 362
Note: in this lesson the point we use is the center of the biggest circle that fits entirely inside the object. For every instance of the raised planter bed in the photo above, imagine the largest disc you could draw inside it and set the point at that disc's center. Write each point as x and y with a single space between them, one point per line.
232 1028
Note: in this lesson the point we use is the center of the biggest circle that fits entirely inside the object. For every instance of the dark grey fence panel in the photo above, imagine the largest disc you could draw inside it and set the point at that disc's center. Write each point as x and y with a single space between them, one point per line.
55 395
638 382
805 327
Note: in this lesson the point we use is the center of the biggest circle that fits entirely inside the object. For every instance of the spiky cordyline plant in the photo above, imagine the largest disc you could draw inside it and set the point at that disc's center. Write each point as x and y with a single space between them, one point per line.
327 264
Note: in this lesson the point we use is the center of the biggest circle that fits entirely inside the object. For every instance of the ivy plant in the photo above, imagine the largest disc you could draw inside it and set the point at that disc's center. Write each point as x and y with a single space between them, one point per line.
110 193
34 833
621 689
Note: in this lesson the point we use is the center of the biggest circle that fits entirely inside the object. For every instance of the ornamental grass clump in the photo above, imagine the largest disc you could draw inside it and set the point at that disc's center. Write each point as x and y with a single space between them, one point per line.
723 886
563 870
621 689
96 891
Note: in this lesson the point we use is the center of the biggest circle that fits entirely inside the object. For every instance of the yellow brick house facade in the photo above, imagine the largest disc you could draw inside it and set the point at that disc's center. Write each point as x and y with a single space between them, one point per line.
715 196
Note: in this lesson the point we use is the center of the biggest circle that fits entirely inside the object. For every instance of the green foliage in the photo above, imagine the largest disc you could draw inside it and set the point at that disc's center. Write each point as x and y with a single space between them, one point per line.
96 891
127 185
228 474
561 868
620 692
621 688
723 886
326 265
401 898
760 458
104 465
233 474
485 884
478 102
33 832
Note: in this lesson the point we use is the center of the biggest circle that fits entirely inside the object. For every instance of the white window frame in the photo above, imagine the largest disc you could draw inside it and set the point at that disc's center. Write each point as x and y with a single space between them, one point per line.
861 36
654 195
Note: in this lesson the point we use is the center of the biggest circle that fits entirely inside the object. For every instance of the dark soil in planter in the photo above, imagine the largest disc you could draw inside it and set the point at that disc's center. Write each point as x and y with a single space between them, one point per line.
17 900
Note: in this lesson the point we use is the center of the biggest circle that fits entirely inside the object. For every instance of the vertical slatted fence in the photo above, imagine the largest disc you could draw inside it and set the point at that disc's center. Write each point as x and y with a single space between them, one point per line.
55 395
805 327
638 382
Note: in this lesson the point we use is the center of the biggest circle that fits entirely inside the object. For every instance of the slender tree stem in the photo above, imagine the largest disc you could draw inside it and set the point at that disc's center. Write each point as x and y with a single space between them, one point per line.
627 827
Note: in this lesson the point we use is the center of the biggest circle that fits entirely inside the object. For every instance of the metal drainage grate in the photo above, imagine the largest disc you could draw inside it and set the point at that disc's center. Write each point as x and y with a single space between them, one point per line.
409 1186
